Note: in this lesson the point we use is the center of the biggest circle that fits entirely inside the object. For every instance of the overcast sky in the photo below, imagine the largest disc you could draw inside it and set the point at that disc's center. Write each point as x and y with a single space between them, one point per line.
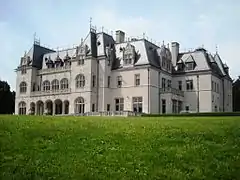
62 23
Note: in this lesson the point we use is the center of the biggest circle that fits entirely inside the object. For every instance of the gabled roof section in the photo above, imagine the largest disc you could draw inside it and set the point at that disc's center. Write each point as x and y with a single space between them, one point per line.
189 59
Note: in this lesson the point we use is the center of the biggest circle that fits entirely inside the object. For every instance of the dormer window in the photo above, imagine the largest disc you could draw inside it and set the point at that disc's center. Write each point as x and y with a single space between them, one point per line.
189 63
23 69
189 66
67 60
49 62
129 55
58 61
127 59
81 60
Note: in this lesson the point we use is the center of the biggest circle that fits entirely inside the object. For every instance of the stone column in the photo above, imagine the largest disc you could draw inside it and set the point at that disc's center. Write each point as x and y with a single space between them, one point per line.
54 107
44 108
63 108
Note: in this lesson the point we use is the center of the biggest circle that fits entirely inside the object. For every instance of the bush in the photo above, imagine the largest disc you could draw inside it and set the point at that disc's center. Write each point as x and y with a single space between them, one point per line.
195 114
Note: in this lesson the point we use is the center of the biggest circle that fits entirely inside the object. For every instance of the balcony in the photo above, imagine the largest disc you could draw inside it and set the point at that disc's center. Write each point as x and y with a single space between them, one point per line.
49 93
172 91
55 70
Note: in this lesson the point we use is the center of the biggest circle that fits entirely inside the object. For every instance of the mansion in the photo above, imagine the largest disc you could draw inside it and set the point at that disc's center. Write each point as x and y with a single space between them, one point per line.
105 73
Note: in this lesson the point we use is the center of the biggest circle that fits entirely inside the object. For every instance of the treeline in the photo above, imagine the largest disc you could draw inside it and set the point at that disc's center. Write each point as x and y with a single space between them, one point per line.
7 98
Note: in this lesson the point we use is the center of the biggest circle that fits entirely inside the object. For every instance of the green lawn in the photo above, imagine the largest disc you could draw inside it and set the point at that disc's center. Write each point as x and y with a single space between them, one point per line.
33 147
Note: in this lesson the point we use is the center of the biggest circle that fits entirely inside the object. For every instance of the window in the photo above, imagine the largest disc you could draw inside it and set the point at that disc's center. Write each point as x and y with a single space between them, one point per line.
163 83
179 106
108 107
55 85
109 81
80 81
189 84
212 86
174 106
79 105
119 81
81 61
127 59
180 85
93 107
119 104
217 88
137 104
22 108
137 79
169 83
163 63
187 108
93 81
23 70
163 106
189 66
180 67
23 87
64 83
46 86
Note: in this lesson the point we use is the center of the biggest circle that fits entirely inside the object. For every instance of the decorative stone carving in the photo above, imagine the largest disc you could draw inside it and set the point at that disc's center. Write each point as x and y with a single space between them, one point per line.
129 54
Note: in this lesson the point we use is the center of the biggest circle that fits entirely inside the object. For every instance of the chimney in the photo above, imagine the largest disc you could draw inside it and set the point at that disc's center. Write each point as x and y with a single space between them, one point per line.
120 36
175 52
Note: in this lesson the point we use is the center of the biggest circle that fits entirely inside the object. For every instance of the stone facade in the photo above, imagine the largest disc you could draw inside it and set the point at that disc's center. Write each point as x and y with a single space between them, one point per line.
103 74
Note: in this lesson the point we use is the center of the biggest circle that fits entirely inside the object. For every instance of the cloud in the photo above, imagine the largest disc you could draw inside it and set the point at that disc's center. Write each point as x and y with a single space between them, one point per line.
64 24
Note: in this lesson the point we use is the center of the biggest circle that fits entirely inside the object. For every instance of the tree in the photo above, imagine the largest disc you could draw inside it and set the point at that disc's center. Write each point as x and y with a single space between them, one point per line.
7 99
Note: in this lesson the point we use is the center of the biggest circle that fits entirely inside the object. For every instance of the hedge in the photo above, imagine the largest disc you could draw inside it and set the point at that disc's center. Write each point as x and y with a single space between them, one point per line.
195 114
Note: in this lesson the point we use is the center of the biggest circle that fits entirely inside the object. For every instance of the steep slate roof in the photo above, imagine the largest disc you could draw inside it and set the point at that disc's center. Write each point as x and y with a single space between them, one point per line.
197 56
36 54
147 53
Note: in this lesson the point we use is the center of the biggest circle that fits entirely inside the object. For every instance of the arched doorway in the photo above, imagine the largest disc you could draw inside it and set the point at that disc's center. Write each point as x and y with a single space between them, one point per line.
58 106
49 107
32 108
22 108
66 107
40 108
79 105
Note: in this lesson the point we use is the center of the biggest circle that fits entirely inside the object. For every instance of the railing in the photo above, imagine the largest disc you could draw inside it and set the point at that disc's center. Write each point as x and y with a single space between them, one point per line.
51 92
53 70
172 91
105 113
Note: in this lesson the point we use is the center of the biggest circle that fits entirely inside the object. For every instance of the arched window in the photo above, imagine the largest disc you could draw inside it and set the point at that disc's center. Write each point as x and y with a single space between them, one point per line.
79 105
80 81
22 108
23 87
64 83
46 85
55 85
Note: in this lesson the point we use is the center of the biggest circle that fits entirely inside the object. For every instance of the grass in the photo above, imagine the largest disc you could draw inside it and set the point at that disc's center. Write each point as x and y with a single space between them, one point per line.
33 147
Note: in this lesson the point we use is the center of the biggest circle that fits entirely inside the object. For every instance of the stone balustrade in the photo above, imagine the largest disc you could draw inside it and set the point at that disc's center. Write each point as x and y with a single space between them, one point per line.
171 90
50 92
55 70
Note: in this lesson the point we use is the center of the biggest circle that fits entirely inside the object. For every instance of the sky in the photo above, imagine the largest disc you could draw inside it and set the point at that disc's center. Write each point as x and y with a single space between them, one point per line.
62 23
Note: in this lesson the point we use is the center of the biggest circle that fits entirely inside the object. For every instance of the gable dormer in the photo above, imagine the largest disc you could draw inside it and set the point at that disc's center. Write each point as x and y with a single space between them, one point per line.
58 61
49 62
190 64
180 65
129 55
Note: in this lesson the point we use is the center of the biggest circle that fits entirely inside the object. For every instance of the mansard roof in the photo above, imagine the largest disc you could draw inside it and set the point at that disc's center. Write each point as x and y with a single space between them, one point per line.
144 53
